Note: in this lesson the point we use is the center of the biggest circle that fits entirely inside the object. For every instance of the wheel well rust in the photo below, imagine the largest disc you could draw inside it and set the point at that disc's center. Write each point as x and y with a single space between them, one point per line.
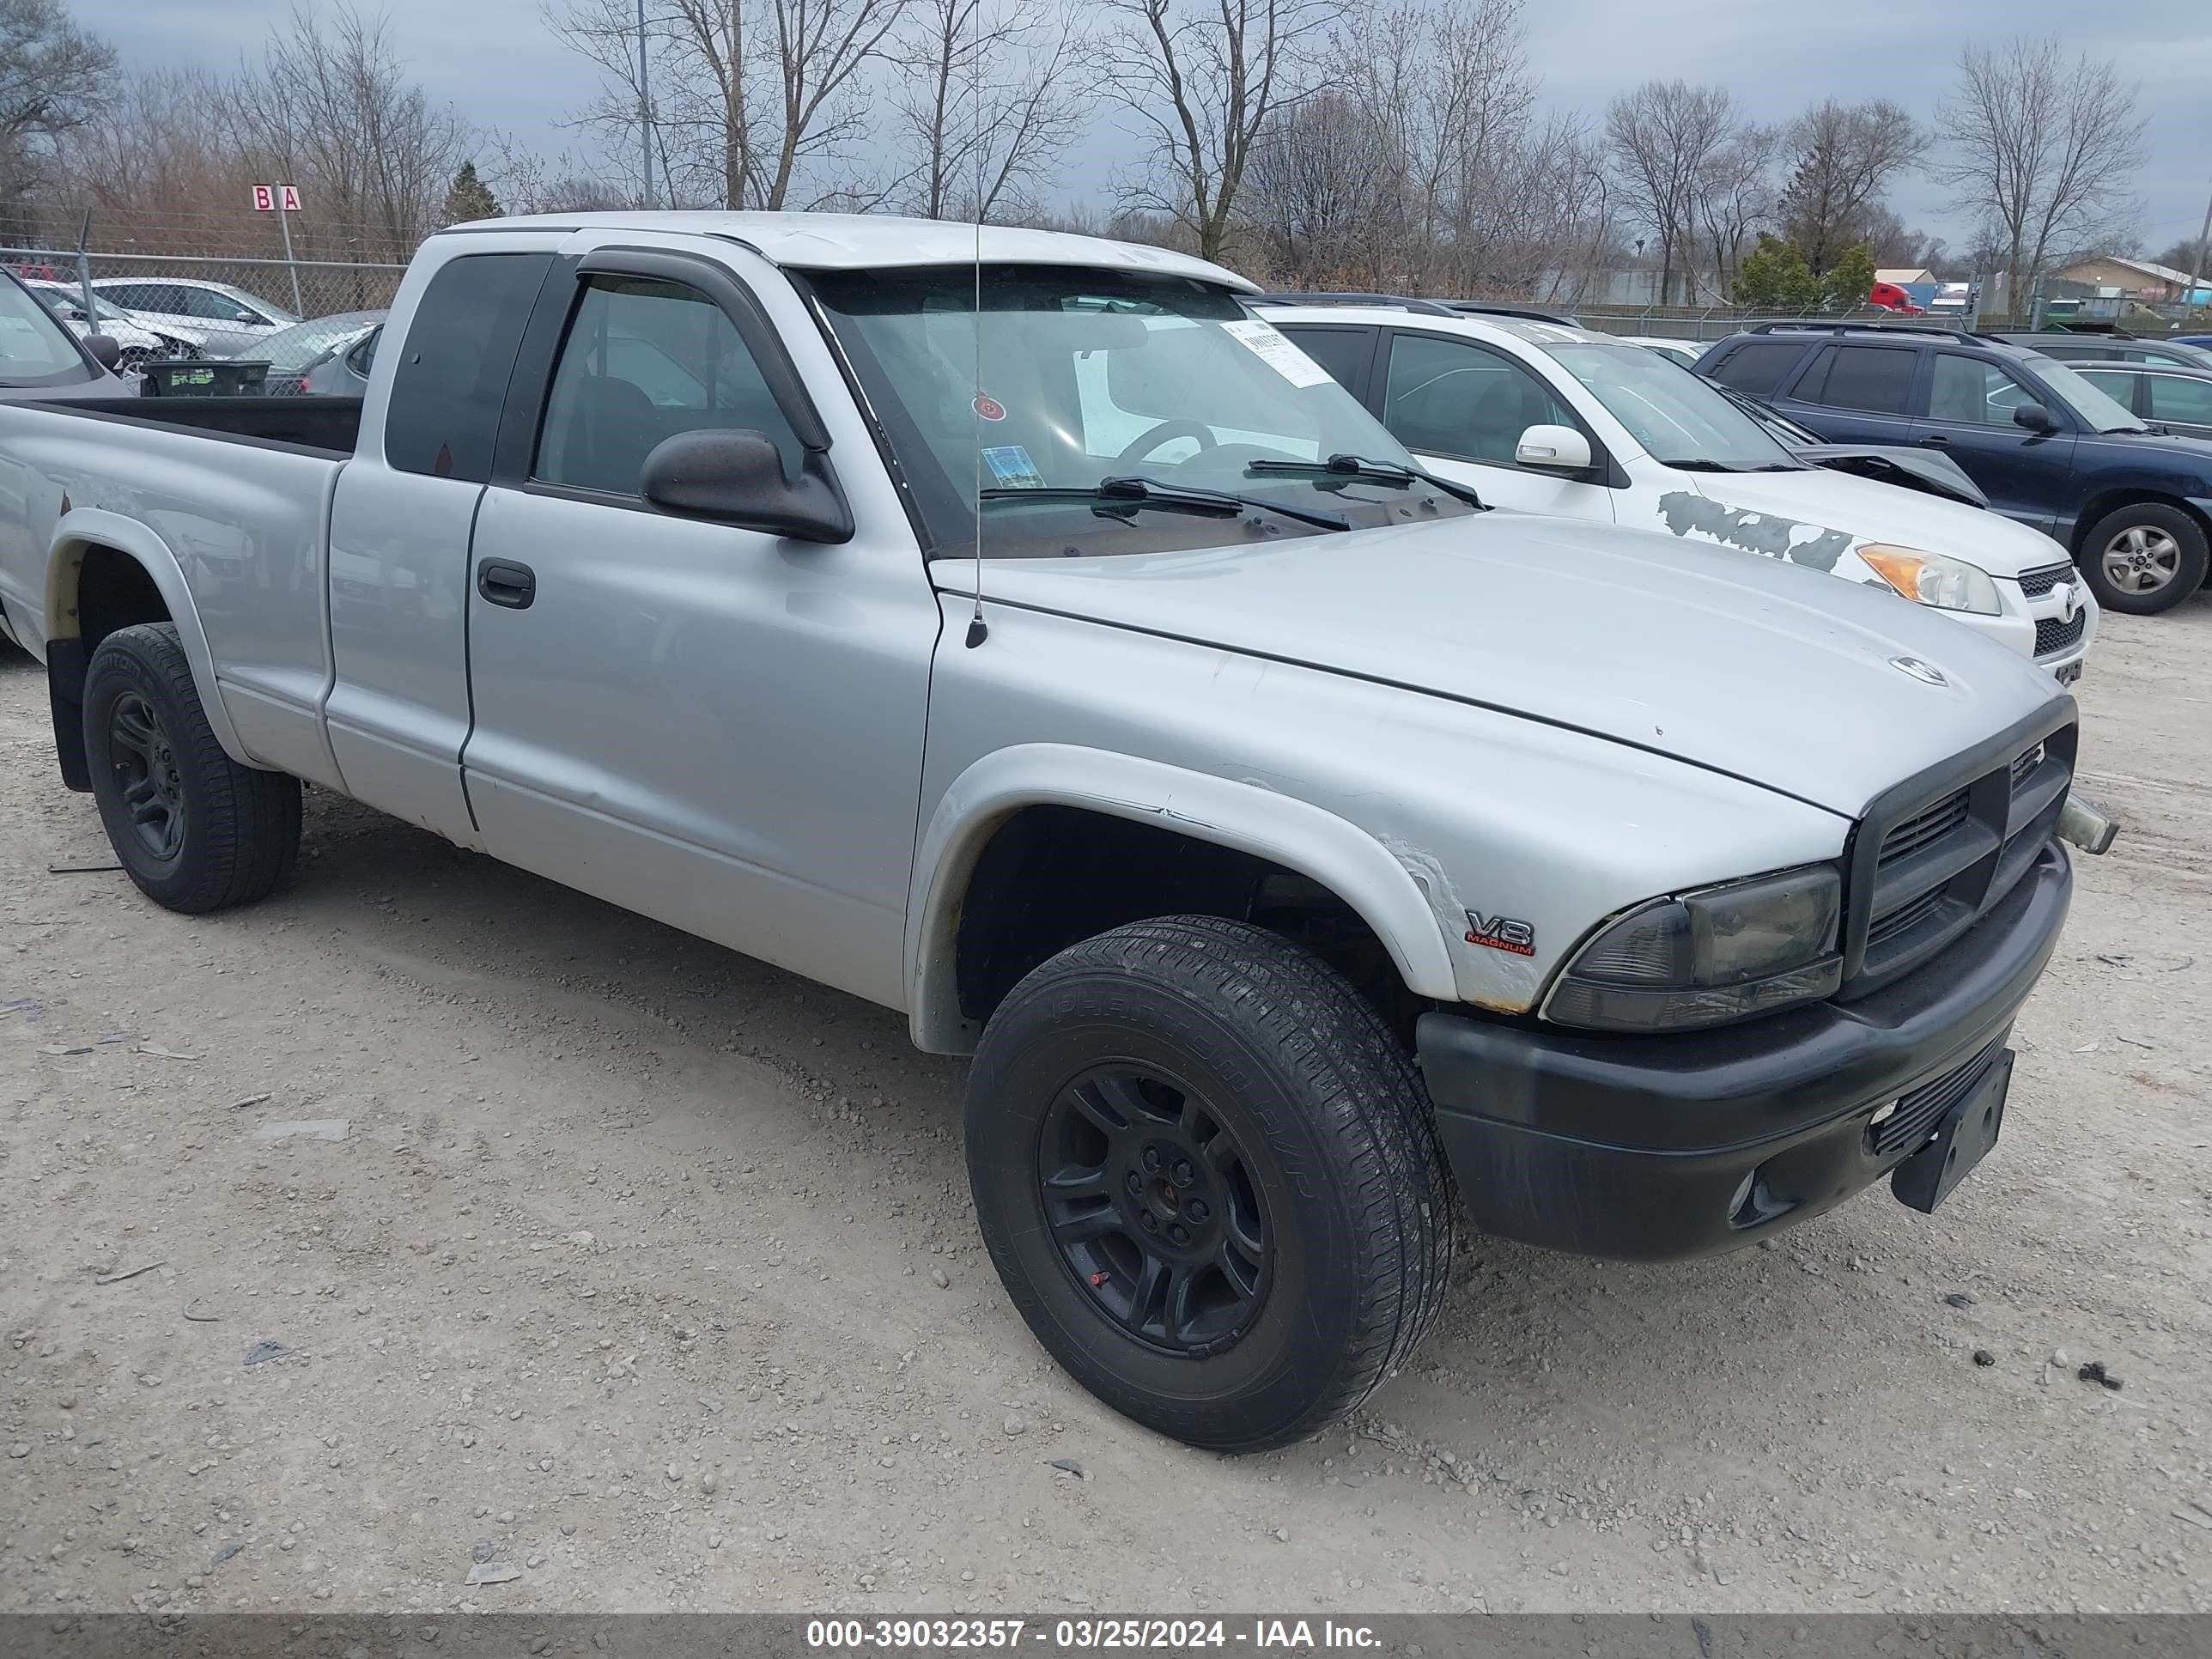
1053 875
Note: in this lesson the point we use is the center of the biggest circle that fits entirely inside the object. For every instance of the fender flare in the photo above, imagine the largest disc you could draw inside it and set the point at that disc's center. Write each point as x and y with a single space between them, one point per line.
85 527
1293 833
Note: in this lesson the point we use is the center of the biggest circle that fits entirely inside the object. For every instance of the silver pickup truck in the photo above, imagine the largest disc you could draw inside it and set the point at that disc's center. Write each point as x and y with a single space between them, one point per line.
1290 842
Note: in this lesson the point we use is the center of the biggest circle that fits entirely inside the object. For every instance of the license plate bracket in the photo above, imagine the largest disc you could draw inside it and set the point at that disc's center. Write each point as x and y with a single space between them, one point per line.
1961 1140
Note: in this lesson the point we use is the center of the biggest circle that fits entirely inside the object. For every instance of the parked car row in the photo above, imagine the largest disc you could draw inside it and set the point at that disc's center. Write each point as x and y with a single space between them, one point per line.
2129 501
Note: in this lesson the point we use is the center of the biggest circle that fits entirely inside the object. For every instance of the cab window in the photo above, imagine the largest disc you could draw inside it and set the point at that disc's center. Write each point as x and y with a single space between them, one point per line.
645 360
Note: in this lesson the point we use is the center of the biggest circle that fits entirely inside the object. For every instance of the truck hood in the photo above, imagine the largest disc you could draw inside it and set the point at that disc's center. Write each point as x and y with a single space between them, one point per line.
1767 672
1829 512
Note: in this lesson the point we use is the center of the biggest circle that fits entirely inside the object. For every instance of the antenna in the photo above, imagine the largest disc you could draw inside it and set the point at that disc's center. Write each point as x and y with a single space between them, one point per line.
978 629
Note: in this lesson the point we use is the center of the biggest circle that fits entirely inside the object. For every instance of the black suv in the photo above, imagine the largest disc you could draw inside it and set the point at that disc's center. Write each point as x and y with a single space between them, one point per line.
2132 503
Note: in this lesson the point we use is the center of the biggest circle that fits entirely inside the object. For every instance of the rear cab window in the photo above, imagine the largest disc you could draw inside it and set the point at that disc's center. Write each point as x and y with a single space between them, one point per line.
450 384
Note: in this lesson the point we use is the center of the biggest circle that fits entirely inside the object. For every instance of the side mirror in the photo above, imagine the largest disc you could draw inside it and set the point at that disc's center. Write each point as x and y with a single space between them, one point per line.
244 317
735 476
2036 418
1553 449
104 349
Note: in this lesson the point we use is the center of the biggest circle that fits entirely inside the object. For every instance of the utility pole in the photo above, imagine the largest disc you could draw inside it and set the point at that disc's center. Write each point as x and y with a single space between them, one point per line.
2203 255
644 106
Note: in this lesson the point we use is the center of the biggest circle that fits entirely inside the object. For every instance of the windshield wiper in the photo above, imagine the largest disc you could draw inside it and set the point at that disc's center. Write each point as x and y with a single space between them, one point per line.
1116 498
1351 467
1701 464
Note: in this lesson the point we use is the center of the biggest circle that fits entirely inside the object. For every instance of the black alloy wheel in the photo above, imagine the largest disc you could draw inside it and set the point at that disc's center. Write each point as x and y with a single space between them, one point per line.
147 775
1153 1209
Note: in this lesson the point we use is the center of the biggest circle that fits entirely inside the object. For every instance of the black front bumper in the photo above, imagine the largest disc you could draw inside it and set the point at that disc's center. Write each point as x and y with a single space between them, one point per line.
1654 1147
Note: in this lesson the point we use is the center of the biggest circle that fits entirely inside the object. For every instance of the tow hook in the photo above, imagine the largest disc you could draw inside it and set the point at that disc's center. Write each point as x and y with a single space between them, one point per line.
2089 828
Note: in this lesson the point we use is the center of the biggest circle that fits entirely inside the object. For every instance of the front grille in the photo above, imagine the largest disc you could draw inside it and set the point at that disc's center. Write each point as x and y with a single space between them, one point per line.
1930 826
2036 583
1903 918
2053 636
1930 861
1919 1112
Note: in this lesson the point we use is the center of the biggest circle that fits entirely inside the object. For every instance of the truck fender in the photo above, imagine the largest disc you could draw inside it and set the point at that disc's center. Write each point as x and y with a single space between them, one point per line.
1294 834
85 527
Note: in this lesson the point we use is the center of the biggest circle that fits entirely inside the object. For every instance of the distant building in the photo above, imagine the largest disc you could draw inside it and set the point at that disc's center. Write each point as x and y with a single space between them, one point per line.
2115 277
1905 277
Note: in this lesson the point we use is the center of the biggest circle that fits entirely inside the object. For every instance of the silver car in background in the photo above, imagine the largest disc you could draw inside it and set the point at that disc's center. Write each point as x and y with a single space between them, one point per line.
343 370
293 352
231 322
137 344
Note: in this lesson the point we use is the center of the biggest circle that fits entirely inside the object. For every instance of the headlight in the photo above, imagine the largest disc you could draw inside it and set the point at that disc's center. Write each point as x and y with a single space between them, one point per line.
1947 584
1704 958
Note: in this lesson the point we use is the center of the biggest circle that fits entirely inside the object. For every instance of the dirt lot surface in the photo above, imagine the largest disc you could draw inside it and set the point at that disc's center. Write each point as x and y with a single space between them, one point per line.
646 1274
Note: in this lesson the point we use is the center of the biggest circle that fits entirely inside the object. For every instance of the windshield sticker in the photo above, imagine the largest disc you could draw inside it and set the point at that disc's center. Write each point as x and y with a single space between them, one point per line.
988 408
1274 349
1010 466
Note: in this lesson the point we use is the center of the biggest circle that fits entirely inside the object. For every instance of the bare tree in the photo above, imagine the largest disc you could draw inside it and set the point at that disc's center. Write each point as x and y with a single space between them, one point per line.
753 98
1736 196
331 109
1840 157
1201 80
1663 136
2042 149
1450 87
1324 196
53 78
989 101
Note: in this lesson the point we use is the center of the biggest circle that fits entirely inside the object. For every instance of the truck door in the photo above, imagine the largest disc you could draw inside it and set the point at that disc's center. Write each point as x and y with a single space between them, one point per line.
714 727
399 708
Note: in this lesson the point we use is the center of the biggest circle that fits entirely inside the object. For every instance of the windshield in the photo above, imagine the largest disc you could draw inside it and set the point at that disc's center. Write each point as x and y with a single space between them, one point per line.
35 349
2100 411
1678 419
1090 374
295 347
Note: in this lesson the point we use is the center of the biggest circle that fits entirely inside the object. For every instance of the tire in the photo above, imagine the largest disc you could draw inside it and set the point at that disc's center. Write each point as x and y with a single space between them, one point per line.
2144 558
195 830
1313 1164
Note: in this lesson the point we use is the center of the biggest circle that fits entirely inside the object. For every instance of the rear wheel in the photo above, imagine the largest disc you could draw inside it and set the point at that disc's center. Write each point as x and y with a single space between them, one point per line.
195 830
2144 559
1209 1178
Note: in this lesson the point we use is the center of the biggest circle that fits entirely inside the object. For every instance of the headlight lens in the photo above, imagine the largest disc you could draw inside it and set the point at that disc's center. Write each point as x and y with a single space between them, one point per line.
1947 584
1704 958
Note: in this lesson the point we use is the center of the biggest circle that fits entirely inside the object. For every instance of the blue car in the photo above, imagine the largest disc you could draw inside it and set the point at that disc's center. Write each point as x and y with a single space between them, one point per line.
2131 502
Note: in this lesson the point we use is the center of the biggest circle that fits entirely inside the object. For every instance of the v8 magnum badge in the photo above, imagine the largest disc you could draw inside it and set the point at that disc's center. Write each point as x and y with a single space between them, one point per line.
1501 933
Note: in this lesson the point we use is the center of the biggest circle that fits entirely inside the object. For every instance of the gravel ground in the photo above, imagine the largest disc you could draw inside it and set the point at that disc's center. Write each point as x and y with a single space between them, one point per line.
641 1276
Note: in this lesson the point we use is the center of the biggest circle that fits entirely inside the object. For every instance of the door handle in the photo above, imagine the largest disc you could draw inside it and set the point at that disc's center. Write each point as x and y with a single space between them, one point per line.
1934 441
504 582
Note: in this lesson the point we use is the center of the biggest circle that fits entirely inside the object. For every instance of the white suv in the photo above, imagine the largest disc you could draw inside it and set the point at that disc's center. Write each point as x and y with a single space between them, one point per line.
1546 417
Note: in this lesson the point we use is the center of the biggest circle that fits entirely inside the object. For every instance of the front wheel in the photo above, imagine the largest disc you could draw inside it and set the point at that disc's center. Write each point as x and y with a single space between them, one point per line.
1210 1179
195 830
2144 559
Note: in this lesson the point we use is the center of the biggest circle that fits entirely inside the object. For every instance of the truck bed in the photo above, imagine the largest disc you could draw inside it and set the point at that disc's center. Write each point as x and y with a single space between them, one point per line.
328 425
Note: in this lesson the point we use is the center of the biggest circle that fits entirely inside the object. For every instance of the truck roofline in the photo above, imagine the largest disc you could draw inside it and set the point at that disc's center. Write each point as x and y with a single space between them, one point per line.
862 241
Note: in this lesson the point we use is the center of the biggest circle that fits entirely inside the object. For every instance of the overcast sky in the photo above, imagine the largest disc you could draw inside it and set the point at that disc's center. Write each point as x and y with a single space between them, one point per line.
497 62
